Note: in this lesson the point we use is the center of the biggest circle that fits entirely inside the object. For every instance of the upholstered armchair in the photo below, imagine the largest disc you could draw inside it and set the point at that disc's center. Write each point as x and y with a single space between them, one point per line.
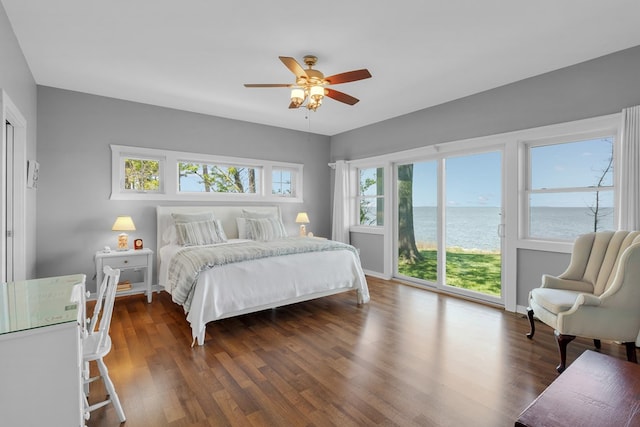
597 297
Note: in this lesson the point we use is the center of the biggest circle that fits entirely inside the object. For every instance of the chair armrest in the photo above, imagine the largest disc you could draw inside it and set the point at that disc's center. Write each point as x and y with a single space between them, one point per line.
587 299
554 282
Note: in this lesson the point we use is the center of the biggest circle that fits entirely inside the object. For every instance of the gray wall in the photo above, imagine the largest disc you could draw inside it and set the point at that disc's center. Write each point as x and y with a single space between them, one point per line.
371 250
531 265
16 80
75 214
602 86
599 87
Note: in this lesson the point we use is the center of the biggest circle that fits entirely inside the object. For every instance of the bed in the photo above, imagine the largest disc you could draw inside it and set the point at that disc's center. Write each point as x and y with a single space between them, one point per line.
248 265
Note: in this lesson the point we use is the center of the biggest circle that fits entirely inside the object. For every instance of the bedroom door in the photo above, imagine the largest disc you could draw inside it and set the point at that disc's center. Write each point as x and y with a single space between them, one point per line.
6 234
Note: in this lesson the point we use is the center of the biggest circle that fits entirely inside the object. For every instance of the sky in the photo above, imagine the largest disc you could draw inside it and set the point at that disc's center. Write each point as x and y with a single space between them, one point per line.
475 180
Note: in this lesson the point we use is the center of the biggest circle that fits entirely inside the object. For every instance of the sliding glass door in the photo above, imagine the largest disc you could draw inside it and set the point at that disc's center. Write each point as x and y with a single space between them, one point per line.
417 185
449 221
472 222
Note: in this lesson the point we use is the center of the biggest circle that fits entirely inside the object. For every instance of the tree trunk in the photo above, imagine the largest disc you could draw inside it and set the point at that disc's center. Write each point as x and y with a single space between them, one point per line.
205 178
406 237
252 180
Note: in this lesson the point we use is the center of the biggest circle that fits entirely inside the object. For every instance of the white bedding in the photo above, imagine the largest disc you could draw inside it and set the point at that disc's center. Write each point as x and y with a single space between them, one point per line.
250 286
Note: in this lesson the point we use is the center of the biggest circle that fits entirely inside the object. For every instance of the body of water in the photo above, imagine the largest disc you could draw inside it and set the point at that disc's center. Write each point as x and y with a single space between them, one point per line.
477 227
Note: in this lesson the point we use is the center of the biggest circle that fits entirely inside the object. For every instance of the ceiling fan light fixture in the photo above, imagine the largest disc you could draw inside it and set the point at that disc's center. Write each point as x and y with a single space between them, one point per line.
310 84
314 103
297 96
316 92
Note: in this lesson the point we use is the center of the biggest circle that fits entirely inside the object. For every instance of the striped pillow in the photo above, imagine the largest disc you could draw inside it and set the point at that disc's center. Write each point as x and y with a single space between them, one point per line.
196 233
266 228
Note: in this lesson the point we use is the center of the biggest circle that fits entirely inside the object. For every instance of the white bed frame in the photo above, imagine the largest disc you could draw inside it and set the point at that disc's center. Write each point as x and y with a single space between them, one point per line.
227 215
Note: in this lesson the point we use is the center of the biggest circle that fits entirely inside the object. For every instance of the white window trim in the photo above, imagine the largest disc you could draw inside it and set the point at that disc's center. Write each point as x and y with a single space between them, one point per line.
513 158
363 228
169 176
581 132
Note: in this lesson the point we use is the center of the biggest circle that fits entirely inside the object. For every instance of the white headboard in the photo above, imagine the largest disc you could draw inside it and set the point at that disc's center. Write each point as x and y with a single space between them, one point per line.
226 214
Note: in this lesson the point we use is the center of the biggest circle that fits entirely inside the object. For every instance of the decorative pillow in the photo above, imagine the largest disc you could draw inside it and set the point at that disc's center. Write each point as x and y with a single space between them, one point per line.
266 228
246 232
197 233
197 229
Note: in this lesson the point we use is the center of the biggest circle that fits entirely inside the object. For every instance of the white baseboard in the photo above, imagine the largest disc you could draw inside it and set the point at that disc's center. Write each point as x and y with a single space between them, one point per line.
376 274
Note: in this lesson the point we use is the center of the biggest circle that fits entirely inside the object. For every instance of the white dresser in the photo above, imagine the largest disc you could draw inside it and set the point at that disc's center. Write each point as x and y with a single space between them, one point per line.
41 352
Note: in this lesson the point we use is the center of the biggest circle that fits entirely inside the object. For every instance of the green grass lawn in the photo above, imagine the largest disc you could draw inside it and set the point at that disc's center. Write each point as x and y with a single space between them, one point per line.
479 272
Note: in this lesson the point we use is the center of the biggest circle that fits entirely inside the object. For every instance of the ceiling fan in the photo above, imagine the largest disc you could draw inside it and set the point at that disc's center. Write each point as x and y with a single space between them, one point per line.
311 85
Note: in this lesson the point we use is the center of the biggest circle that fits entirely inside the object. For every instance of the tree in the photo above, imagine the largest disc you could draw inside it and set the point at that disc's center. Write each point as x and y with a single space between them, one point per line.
406 237
141 174
595 209
221 179
365 203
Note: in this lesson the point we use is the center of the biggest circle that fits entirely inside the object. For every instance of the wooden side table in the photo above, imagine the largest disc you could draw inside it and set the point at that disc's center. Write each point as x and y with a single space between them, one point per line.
595 390
141 259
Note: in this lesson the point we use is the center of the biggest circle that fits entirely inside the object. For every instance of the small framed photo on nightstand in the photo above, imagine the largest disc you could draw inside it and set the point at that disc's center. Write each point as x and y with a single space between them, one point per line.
137 244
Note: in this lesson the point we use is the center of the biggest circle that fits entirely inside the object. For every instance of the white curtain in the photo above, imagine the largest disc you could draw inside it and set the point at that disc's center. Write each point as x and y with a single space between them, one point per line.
340 226
629 216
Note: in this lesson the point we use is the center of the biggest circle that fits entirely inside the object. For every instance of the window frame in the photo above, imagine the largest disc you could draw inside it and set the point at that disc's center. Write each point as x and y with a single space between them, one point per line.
377 197
526 171
294 180
169 176
121 177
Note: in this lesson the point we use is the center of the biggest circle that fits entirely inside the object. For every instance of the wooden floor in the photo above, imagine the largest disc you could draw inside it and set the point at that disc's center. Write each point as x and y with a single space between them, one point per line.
408 358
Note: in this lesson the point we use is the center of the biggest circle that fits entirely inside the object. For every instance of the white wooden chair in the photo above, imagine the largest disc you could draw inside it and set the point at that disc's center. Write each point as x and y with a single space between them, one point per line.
96 342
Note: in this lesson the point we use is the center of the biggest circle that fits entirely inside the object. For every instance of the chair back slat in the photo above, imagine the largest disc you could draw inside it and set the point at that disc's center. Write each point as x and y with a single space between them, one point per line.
103 309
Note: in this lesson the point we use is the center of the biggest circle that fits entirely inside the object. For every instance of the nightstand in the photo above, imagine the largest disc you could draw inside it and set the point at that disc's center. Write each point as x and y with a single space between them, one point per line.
140 260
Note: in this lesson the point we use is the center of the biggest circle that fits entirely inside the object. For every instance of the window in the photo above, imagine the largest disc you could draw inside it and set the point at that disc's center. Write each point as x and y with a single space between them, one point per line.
141 174
283 182
570 187
151 174
371 196
209 178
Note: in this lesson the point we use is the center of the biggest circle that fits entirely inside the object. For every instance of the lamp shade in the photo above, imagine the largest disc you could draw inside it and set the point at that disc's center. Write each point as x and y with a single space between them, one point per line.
297 95
302 218
123 223
316 92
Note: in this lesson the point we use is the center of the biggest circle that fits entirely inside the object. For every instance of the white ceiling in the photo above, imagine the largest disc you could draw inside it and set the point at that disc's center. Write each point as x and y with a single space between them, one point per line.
195 55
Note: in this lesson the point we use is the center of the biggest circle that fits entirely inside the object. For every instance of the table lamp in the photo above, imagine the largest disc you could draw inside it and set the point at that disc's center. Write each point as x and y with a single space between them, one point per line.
123 223
302 219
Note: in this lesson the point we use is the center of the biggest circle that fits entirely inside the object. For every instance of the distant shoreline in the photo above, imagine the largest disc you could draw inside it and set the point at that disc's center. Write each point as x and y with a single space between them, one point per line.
432 246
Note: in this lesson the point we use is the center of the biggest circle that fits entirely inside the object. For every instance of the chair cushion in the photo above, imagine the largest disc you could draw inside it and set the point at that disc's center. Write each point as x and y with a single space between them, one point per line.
554 300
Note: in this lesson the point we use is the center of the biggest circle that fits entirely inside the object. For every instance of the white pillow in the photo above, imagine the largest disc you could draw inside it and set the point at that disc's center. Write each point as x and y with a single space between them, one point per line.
221 234
248 213
169 236
191 217
241 223
265 229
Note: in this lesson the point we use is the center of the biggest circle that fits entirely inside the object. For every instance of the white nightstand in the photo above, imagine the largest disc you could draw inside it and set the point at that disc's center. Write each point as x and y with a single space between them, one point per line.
141 259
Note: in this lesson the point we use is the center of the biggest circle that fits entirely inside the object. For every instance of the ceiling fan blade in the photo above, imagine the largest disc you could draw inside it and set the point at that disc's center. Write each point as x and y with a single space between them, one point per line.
293 65
349 76
267 85
340 96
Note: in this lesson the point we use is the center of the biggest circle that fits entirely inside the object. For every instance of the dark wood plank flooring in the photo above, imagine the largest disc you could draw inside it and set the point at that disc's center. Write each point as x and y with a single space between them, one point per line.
410 357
